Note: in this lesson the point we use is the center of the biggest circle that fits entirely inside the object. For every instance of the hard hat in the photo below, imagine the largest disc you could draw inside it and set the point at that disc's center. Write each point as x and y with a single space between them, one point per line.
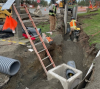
72 18
56 4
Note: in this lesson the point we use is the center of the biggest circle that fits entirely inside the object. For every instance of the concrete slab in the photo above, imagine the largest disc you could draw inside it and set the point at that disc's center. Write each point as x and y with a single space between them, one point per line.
59 73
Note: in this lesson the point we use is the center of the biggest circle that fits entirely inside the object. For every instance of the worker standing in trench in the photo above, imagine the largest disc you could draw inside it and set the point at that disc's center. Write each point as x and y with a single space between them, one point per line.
52 16
73 27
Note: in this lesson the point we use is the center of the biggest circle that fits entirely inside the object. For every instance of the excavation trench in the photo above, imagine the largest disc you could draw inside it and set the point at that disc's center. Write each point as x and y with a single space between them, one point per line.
31 73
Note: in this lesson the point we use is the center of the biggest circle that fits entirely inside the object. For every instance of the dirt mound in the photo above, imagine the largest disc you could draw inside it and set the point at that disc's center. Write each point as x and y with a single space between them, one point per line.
52 84
29 63
87 16
73 52
95 79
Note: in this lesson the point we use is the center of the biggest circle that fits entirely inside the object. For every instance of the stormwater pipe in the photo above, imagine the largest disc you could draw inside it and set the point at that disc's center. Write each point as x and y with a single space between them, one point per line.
70 72
9 66
71 63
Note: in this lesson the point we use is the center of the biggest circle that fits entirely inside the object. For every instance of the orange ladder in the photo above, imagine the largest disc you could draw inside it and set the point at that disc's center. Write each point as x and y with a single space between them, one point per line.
41 40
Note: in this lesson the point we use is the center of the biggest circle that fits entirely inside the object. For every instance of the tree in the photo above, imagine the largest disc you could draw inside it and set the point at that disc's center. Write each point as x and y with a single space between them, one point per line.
50 3
83 2
3 1
44 3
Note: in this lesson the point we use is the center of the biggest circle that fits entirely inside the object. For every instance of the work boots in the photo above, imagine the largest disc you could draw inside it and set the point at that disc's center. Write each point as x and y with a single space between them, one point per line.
75 40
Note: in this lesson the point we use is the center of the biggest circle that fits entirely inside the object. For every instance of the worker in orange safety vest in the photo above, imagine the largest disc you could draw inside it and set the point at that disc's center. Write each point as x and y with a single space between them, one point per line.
73 27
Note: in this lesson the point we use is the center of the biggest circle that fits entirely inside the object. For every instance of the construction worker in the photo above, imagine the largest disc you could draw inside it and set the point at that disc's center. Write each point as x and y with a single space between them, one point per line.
73 27
52 16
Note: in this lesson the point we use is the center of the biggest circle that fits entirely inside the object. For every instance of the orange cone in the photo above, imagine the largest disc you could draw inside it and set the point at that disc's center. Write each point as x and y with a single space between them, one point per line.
45 9
6 24
13 23
10 23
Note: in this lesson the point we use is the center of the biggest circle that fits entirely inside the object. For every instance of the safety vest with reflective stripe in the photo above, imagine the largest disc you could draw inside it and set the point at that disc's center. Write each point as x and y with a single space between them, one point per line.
73 24
53 12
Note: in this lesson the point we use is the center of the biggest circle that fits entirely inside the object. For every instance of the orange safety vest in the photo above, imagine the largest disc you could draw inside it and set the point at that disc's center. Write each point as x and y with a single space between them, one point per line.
73 24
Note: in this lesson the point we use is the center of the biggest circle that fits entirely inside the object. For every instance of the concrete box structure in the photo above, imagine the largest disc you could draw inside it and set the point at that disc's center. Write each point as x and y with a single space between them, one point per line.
59 73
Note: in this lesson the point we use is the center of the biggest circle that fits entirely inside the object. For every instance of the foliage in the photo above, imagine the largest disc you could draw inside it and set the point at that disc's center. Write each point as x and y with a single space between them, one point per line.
86 2
83 2
45 26
3 1
50 3
44 3
34 2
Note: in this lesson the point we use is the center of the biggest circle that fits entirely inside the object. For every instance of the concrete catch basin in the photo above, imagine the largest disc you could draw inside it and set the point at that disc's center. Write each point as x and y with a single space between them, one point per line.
59 73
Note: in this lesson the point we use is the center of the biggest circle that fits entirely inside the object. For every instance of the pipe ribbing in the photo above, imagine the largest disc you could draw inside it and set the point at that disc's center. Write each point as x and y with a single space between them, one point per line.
70 71
71 63
9 66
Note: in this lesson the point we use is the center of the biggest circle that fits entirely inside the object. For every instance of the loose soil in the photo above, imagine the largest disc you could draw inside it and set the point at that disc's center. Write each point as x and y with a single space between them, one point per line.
31 74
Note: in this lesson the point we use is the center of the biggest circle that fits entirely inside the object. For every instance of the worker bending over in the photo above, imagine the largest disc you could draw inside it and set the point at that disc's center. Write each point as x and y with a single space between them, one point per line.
52 16
73 28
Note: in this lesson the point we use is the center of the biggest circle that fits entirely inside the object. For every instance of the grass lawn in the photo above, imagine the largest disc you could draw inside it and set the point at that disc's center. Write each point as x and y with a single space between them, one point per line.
45 27
91 26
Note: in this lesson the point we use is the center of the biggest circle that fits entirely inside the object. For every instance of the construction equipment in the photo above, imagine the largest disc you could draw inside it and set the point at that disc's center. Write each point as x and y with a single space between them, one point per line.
92 7
47 39
70 3
76 33
34 45
61 4
70 6
4 13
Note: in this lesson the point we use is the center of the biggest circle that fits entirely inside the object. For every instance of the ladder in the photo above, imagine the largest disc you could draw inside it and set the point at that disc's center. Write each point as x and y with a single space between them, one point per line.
34 45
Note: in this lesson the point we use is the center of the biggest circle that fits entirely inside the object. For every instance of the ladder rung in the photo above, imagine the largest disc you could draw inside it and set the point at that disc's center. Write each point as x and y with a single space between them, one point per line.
30 29
38 43
35 36
42 50
22 14
21 38
19 6
49 65
45 58
26 21
29 46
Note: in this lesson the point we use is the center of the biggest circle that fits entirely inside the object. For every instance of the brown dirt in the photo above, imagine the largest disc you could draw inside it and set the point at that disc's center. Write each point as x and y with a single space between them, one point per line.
94 79
87 16
31 74
31 71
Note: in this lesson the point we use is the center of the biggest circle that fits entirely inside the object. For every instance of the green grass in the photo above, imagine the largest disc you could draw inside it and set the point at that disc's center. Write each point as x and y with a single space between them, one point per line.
45 27
91 26
82 14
